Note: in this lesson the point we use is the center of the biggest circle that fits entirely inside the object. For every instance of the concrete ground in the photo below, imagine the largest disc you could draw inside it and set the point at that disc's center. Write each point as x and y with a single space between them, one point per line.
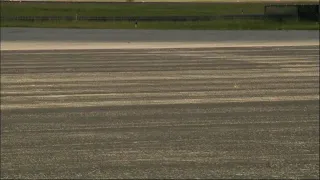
206 112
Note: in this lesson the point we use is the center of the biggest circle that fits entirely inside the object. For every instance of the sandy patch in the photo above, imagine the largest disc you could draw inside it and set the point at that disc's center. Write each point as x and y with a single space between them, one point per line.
12 45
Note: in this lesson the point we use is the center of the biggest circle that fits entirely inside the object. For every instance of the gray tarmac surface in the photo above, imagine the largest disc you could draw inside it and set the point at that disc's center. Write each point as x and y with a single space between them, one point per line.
117 35
161 113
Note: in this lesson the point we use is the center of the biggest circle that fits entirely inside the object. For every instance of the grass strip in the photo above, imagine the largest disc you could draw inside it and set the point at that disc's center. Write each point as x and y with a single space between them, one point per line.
128 9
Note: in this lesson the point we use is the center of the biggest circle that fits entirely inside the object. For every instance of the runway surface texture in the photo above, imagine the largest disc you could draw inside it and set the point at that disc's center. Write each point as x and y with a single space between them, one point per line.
228 112
111 36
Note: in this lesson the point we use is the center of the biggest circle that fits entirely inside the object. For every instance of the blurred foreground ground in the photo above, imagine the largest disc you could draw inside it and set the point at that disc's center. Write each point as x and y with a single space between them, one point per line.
206 112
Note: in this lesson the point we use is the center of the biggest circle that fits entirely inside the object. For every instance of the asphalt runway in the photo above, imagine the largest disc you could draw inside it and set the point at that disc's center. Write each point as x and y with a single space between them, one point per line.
249 112
56 35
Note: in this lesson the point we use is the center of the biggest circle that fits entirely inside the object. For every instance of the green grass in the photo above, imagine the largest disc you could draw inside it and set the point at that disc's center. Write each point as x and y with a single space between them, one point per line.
205 25
145 9
129 9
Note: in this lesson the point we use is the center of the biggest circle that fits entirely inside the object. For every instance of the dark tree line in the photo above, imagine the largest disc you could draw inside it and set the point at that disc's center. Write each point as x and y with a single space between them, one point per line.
308 12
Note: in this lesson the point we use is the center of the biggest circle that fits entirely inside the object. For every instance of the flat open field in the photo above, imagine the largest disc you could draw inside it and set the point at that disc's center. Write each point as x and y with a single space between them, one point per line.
127 9
179 112
130 9
13 9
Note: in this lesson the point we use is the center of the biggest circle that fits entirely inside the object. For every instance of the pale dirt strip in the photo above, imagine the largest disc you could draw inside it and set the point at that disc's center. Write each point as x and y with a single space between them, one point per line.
52 45
45 105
